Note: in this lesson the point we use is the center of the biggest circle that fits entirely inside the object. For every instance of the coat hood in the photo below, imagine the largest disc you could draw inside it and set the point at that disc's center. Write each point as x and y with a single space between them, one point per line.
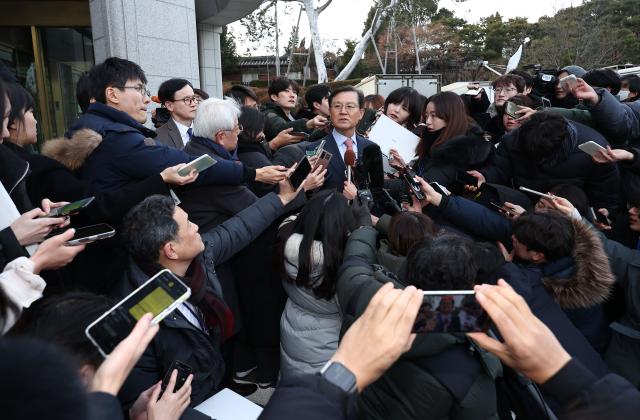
73 152
586 282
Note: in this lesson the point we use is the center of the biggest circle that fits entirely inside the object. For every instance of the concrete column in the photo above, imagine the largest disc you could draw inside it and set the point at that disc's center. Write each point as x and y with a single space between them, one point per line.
159 35
209 55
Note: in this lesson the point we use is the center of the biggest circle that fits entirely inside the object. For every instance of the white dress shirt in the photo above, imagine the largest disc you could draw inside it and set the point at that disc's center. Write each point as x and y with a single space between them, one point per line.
183 131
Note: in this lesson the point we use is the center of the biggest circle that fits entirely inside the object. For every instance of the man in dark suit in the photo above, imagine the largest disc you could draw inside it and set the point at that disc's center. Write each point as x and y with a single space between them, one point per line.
346 105
177 96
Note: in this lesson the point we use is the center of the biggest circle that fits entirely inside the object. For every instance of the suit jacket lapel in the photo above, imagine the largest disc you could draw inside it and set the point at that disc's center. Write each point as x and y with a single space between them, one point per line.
174 134
336 163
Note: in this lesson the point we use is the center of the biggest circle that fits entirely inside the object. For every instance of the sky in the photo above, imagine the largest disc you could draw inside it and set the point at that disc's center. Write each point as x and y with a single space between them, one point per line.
344 19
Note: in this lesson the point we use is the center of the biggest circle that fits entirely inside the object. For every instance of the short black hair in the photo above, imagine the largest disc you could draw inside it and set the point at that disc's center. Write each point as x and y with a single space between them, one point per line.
604 78
281 84
168 88
510 79
148 226
252 122
542 135
21 101
63 319
316 93
445 262
83 91
240 93
204 95
113 72
634 85
549 233
35 368
348 89
529 80
410 98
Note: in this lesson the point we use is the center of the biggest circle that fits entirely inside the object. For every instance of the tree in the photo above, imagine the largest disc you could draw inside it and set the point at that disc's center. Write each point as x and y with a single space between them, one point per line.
228 55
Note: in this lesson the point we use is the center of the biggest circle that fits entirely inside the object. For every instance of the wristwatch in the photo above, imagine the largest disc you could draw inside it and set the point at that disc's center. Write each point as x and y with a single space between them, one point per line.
337 374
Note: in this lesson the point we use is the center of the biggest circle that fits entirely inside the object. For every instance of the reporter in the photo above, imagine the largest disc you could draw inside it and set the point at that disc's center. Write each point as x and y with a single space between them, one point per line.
20 284
369 347
530 347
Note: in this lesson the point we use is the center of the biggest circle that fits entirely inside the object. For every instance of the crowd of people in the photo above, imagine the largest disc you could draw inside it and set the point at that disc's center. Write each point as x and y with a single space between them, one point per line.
313 293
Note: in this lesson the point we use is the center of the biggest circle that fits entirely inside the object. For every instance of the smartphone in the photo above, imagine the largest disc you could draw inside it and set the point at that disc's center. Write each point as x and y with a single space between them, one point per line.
414 186
440 188
504 209
184 370
591 148
302 134
538 193
71 208
300 173
599 217
465 179
450 311
199 164
568 82
546 103
323 159
91 233
160 295
510 109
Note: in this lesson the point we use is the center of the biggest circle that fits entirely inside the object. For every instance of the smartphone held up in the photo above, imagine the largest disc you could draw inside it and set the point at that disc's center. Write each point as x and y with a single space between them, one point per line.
450 311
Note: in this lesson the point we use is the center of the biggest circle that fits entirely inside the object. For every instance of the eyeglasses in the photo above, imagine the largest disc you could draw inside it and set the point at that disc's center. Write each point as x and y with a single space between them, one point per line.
505 90
142 89
238 127
348 107
189 100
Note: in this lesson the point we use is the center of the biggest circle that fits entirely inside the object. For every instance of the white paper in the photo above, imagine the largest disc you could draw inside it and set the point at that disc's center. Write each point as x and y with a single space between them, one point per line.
227 405
388 134
9 213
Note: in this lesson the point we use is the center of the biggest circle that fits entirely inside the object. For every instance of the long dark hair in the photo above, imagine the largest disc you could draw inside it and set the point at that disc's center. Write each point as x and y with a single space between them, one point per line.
327 218
450 108
252 122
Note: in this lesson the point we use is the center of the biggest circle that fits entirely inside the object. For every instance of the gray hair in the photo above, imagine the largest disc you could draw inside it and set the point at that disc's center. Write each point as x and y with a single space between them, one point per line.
214 115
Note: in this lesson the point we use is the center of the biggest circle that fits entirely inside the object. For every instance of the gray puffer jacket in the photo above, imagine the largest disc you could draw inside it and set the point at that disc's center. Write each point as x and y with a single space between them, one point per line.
310 326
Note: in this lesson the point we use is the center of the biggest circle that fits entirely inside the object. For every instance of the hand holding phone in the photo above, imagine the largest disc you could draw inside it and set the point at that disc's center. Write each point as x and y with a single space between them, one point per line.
569 82
300 173
591 148
159 295
179 372
450 311
538 193
199 165
71 208
466 179
87 234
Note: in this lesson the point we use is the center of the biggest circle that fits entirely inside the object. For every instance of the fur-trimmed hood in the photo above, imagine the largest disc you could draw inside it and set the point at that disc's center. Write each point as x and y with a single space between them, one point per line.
588 280
73 152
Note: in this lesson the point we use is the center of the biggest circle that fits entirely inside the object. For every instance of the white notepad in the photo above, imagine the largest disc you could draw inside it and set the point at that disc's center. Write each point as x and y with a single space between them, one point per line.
227 405
388 134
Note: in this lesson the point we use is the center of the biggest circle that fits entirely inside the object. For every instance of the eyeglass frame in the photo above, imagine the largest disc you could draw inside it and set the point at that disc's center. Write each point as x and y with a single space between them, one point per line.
191 99
340 106
239 128
499 90
141 89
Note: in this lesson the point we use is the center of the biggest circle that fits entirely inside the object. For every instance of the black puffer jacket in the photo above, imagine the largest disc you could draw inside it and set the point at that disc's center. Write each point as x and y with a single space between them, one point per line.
569 165
276 121
461 153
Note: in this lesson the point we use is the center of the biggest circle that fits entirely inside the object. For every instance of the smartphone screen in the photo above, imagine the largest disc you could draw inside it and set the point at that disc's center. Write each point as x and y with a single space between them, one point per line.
466 179
300 173
184 370
159 295
450 311
70 208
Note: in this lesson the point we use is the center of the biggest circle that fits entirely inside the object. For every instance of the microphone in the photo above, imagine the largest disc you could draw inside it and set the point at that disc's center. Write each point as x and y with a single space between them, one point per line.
350 162
372 161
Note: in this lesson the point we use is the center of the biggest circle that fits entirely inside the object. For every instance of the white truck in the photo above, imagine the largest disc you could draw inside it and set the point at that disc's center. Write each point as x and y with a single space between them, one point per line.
384 84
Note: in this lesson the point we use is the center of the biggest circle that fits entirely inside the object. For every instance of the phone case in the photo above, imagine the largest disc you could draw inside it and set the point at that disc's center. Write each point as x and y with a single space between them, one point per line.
200 164
590 148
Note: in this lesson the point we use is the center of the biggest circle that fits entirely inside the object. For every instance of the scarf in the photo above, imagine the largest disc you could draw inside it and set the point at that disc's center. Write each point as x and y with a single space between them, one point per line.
215 312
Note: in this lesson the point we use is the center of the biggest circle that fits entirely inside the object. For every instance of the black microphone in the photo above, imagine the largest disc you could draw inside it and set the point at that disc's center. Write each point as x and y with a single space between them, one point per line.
372 161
